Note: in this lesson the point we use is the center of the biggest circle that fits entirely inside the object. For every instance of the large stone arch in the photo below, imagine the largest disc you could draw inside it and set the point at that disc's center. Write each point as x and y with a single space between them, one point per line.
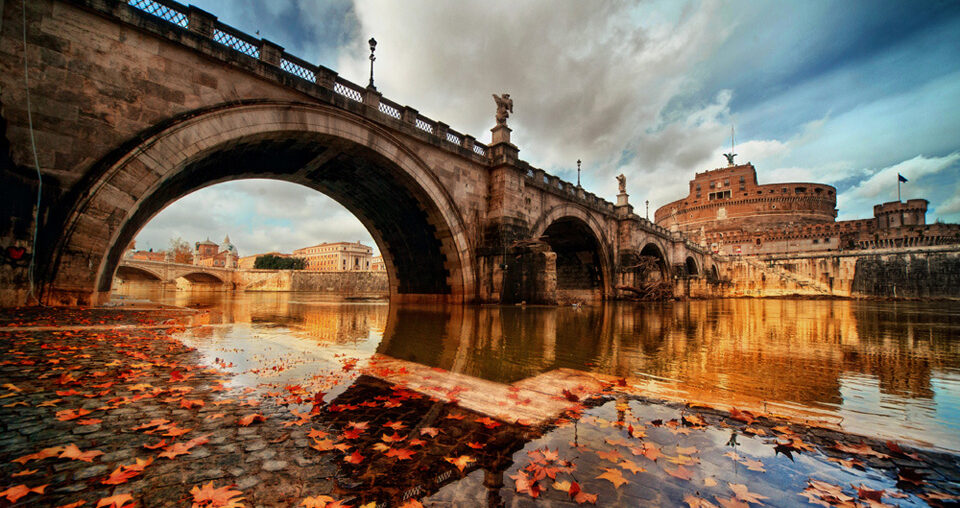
568 212
338 153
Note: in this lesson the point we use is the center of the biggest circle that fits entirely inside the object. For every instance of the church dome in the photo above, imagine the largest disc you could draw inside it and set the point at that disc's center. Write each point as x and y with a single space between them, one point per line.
227 246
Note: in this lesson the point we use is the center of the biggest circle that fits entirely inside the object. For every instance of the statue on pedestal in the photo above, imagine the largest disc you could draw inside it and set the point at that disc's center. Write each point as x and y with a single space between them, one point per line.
504 108
622 181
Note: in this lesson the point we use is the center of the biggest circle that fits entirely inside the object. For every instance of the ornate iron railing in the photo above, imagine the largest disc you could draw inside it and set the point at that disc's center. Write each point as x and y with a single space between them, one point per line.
236 40
159 9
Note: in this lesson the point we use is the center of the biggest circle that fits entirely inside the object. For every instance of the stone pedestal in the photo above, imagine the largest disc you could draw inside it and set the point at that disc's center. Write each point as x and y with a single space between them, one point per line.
623 199
501 134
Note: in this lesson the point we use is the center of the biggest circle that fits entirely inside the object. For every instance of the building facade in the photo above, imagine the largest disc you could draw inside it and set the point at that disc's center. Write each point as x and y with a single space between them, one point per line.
207 253
377 264
336 257
728 212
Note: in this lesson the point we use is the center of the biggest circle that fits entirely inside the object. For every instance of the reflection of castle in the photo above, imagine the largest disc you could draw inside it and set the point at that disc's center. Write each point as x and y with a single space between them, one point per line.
729 212
207 253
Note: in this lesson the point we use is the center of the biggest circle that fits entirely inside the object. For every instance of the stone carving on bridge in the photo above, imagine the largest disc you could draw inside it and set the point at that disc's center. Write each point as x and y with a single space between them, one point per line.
622 182
504 108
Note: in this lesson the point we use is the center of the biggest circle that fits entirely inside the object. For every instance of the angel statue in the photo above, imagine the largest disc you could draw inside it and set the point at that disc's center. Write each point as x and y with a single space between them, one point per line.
622 180
504 108
730 157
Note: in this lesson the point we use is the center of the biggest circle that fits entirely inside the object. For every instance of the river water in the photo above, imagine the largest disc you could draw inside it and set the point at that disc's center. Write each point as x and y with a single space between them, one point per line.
876 368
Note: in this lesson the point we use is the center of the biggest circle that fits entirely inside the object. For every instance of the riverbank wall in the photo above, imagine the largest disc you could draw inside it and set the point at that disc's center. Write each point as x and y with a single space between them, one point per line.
922 272
335 283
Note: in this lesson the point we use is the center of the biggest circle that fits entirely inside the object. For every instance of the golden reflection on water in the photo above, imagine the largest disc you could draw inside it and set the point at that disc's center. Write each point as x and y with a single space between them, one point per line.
886 368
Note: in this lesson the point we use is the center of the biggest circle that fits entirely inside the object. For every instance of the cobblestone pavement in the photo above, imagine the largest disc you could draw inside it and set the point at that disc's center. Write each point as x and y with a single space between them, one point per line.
98 414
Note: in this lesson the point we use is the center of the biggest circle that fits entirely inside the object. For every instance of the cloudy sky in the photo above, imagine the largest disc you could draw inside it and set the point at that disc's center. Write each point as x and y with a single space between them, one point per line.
846 93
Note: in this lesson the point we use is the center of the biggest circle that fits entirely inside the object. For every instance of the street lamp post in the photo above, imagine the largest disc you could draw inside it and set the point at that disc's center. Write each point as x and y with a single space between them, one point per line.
647 202
373 46
578 172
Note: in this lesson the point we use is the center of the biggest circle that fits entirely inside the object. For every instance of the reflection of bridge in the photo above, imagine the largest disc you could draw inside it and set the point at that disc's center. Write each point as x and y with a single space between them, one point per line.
143 106
168 273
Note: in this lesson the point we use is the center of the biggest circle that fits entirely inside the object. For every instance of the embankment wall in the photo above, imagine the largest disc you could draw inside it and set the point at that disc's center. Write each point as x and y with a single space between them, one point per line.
340 283
923 272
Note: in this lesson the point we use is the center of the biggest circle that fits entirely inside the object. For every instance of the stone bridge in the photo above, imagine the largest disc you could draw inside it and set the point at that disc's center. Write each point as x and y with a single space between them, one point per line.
135 104
167 274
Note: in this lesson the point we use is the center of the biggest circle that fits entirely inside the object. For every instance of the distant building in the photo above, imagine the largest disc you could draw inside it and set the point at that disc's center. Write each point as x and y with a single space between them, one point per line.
247 262
336 257
207 253
727 212
377 264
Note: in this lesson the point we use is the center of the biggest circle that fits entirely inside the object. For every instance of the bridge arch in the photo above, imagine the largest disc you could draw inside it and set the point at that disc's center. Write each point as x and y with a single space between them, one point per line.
691 267
137 273
201 277
368 170
580 242
658 253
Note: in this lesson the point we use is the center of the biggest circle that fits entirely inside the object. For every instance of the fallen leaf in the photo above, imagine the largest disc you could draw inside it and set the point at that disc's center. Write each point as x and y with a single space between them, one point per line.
613 476
25 472
248 419
117 501
161 444
461 461
744 494
323 445
354 458
680 472
861 449
14 493
631 466
208 496
697 502
71 451
524 484
42 454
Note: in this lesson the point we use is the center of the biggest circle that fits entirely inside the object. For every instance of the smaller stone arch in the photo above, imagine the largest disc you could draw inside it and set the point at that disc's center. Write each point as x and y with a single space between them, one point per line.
200 277
127 272
655 251
691 268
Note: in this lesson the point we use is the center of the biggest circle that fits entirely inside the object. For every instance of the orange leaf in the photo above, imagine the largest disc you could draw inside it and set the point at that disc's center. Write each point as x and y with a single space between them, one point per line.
210 496
116 501
745 495
120 475
70 414
71 451
14 493
323 445
42 454
247 420
461 461
154 446
680 472
613 476
25 472
354 458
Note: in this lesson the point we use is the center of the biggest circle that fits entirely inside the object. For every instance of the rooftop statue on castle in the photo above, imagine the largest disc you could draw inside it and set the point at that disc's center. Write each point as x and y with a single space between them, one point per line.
504 108
622 181
730 157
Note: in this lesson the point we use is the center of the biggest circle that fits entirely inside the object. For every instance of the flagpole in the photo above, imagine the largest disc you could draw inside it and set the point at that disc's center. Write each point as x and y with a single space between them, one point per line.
898 187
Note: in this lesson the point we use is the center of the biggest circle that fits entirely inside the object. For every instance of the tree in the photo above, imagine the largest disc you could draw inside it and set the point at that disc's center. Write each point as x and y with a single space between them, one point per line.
272 262
180 251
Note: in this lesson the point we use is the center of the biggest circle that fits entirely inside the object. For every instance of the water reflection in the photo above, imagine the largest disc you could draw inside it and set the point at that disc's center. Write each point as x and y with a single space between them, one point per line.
877 367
